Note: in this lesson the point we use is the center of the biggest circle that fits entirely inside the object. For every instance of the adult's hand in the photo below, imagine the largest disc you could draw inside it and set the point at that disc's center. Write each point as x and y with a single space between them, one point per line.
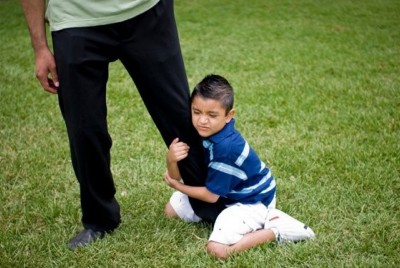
45 70
45 66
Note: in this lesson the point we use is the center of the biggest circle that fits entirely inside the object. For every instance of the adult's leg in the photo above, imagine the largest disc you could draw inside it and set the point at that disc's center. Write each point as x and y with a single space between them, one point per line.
151 53
82 64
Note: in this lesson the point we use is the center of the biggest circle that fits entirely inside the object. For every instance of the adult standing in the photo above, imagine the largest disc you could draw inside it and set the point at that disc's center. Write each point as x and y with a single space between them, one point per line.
87 36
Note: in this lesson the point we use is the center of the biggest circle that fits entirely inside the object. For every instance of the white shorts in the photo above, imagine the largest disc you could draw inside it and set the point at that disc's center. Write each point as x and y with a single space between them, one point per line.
239 219
180 203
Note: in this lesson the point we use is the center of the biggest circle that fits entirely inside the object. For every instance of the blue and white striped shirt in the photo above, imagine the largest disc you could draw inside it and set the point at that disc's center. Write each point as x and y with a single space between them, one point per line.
235 172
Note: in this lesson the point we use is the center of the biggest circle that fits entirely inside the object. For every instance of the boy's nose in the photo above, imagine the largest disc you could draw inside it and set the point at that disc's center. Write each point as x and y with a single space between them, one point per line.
203 119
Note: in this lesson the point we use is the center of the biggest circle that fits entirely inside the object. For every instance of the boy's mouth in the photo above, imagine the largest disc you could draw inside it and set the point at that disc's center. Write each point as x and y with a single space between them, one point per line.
203 128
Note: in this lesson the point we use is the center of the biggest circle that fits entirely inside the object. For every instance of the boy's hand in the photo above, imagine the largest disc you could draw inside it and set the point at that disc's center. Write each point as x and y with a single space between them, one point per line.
171 182
177 151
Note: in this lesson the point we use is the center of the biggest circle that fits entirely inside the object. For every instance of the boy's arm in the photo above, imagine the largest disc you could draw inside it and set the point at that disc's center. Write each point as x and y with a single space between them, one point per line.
177 151
198 192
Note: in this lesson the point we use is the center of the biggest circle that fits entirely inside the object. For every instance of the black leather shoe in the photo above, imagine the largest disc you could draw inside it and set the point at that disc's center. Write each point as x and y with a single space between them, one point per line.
84 238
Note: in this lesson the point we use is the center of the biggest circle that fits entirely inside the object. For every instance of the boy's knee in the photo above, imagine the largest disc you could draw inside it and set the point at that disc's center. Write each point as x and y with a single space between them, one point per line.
218 250
169 211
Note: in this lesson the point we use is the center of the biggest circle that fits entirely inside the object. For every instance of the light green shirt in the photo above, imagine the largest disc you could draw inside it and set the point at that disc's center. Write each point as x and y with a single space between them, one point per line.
63 14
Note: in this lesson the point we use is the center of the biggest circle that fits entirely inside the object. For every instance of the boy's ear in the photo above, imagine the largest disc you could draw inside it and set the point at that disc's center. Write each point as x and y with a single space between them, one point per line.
230 115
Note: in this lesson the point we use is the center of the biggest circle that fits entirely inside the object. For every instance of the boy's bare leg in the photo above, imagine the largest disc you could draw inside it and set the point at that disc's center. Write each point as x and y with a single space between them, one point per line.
248 241
169 211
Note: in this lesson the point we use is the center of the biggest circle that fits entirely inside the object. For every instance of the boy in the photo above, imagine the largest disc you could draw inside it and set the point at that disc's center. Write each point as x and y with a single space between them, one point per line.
235 174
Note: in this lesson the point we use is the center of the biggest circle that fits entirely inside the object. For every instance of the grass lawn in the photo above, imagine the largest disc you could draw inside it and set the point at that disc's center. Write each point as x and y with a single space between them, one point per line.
317 96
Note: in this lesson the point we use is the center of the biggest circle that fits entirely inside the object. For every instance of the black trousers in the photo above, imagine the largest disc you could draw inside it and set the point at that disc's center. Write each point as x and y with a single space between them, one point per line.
148 47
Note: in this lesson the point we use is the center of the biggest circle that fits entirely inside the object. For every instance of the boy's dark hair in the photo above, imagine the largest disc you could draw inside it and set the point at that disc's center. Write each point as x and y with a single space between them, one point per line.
215 87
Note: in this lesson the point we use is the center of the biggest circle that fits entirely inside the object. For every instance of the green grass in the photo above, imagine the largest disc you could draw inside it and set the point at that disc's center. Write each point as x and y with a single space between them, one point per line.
317 96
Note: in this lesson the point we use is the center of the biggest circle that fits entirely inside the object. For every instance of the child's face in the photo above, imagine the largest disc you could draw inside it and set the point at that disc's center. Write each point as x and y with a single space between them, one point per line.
208 116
